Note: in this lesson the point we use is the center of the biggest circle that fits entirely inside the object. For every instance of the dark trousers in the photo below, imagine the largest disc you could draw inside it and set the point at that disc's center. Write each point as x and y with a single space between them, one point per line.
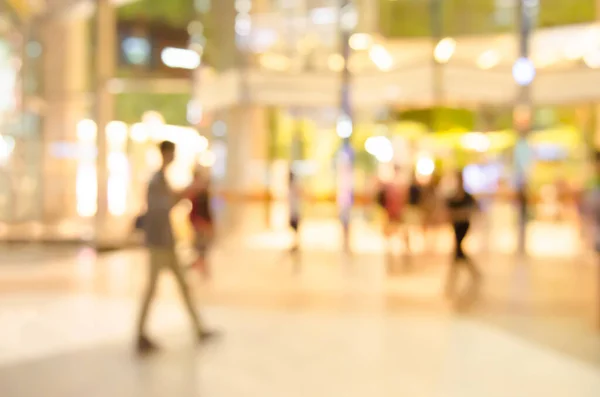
460 258
460 232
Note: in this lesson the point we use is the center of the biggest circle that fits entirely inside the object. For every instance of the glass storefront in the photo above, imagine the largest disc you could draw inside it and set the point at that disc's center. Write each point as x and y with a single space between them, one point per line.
20 141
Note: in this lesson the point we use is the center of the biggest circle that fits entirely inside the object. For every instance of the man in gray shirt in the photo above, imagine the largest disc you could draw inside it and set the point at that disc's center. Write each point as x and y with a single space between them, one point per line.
161 246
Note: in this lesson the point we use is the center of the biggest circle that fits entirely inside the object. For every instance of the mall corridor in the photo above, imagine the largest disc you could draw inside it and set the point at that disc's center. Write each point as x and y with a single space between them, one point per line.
322 325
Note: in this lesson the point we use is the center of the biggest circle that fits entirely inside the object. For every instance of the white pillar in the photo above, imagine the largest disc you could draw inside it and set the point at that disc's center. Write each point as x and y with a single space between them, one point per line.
65 68
246 146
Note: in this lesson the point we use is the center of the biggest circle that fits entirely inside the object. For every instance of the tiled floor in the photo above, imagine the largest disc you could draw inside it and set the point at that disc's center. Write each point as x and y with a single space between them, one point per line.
325 325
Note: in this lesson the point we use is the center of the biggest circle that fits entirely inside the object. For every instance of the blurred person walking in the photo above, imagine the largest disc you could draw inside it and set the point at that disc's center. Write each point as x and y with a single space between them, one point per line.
295 204
160 242
414 217
345 196
592 208
202 221
432 206
461 207
393 198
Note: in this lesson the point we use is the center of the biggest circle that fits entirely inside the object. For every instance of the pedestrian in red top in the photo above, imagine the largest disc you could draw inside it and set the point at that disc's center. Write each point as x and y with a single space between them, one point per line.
202 222
393 197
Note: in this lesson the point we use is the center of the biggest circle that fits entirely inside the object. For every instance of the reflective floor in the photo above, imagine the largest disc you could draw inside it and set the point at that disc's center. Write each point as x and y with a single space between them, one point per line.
320 324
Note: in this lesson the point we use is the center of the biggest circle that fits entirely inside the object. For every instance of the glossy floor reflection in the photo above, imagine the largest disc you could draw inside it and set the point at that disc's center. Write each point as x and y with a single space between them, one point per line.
324 326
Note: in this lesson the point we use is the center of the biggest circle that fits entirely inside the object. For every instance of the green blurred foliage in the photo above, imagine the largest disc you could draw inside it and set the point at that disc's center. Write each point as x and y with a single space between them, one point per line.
177 13
130 107
414 18
405 18
561 12
440 119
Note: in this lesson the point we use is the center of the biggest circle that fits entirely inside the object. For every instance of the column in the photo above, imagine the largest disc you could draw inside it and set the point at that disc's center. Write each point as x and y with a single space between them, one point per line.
437 9
221 46
105 54
243 120
64 82
596 132
524 74
246 144
348 19
596 106
368 11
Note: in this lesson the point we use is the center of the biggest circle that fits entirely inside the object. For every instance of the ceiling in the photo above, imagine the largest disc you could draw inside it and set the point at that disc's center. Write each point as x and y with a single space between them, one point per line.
28 9
563 48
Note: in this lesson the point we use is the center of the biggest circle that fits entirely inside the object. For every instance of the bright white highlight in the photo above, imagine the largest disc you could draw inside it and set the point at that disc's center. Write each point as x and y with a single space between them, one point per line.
381 57
180 58
381 148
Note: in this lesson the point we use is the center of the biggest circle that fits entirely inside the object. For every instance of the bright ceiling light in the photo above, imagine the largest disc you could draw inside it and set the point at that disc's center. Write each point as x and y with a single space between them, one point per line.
180 58
381 57
488 60
444 50
344 127
360 41
523 71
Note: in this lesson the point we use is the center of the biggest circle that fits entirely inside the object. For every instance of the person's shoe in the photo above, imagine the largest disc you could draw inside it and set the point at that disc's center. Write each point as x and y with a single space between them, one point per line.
208 336
145 345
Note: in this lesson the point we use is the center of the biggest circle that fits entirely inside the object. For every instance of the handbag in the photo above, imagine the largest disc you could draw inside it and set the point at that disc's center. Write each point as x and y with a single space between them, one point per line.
139 222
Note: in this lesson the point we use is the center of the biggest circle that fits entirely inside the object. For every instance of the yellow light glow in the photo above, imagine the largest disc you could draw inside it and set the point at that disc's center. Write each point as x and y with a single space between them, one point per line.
381 148
360 41
476 141
138 133
116 133
207 159
180 58
7 145
545 59
275 62
381 57
86 130
444 50
488 60
86 191
153 118
574 52
335 62
307 44
425 166
592 59
118 183
201 143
